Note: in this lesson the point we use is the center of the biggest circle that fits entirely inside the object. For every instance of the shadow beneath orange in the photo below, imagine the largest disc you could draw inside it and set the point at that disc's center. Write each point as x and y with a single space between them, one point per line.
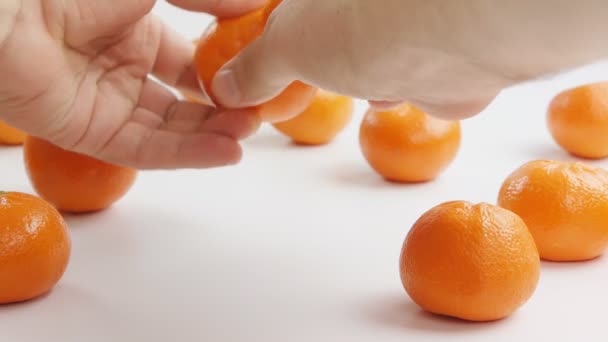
304 146
359 174
27 302
564 265
69 310
72 217
398 312
266 141
554 152
109 256
107 224
10 146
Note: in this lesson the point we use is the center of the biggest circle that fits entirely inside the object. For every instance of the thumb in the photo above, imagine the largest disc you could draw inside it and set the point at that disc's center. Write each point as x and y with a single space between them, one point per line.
258 74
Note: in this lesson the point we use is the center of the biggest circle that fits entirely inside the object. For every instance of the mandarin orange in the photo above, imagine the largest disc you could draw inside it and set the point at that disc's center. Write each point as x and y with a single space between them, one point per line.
578 120
326 116
473 262
74 182
35 247
565 206
224 39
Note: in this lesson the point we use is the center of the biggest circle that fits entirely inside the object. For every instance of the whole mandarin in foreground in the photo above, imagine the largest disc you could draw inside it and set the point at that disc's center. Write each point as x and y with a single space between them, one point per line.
224 39
35 247
326 116
578 120
74 182
475 262
10 135
565 206
407 145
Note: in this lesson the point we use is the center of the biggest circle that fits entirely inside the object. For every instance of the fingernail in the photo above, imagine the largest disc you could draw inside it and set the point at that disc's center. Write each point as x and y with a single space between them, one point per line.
226 89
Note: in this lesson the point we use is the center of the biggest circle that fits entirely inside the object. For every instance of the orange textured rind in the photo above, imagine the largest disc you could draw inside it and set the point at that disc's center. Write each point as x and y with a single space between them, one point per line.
476 262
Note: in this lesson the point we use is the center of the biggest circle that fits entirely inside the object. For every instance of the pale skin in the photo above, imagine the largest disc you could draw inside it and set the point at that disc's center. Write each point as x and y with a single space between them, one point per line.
77 73
451 58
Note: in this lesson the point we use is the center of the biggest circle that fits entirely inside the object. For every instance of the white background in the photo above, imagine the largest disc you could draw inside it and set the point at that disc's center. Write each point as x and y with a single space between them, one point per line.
296 244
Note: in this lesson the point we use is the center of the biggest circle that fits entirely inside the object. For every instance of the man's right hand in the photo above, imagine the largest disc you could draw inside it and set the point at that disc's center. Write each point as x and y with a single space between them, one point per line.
451 58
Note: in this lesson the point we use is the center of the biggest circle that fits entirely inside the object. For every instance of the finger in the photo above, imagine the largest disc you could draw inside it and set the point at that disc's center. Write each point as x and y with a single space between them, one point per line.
150 140
142 147
238 124
174 64
185 117
164 133
258 74
384 105
158 102
220 8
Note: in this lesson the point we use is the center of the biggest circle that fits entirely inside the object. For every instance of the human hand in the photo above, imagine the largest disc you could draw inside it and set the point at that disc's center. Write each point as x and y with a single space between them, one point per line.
450 58
77 74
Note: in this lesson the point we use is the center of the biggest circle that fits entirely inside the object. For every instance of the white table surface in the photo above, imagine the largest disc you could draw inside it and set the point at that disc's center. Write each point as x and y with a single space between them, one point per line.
296 244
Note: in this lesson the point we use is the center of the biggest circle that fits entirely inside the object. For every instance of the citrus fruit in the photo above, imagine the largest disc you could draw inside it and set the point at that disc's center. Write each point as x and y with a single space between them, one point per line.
34 247
187 96
476 262
10 135
407 145
578 120
224 39
326 116
74 182
565 206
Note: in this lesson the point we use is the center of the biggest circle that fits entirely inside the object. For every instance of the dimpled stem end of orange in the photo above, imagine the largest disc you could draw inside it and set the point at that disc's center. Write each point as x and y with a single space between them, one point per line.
472 262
